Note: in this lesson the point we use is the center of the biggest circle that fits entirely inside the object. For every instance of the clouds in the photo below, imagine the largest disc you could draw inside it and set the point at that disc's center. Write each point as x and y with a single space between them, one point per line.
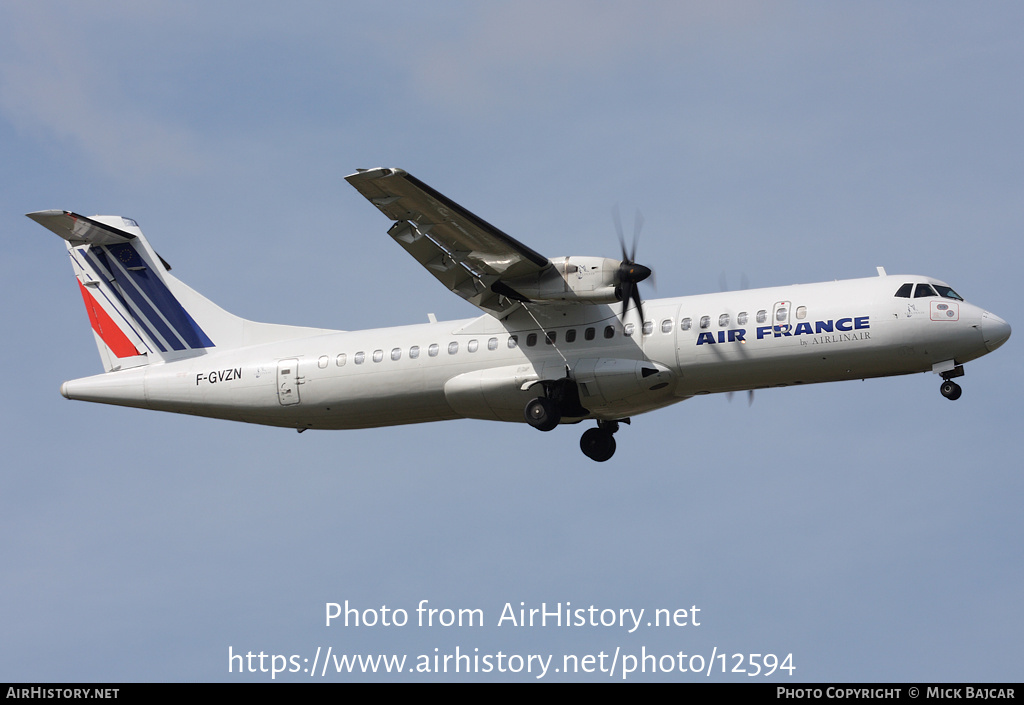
533 57
54 87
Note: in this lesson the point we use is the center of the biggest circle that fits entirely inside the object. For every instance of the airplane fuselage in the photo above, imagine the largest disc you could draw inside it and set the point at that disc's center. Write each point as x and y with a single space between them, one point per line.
487 368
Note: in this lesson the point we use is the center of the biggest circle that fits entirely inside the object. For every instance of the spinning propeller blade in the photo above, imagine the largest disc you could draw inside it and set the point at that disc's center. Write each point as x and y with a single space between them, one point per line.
630 272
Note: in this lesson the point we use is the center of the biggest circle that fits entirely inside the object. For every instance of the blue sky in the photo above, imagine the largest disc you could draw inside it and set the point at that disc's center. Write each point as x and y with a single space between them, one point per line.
872 529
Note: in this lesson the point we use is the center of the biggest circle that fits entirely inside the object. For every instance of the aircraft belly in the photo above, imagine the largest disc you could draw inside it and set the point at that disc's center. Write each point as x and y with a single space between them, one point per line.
417 407
354 397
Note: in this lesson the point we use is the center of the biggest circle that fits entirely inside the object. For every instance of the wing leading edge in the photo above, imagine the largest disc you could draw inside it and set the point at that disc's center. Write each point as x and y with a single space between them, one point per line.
464 252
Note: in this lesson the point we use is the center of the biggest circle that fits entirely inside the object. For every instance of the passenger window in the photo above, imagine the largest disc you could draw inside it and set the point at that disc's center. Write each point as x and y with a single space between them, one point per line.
341 359
904 291
627 330
570 335
550 337
781 314
414 352
589 334
609 332
705 321
513 341
492 344
322 361
396 354
453 347
762 316
685 324
378 355
723 320
648 327
433 349
924 290
531 340
801 312
359 357
666 325
741 318
472 346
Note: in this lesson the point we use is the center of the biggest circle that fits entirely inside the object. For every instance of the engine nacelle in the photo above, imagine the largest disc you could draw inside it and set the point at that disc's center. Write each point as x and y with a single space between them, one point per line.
606 384
591 280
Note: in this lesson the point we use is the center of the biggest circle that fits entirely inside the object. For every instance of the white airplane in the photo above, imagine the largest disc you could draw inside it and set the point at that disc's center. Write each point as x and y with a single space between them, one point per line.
552 347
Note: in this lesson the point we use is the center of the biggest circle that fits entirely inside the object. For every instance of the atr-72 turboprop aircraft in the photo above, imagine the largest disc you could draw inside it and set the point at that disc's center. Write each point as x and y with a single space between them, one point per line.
553 346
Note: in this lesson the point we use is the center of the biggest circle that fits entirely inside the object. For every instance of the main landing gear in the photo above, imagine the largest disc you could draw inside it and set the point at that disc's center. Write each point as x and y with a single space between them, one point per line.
950 389
542 414
561 399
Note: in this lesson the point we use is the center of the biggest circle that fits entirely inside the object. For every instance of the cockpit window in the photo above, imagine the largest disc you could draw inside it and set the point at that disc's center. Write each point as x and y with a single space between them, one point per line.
904 291
924 290
947 293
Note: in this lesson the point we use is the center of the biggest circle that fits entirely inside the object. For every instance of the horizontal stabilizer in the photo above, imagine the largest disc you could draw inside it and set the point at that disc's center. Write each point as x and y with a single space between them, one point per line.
80 230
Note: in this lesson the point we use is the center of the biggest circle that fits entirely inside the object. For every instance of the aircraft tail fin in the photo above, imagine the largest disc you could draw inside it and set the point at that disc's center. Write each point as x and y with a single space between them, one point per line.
138 311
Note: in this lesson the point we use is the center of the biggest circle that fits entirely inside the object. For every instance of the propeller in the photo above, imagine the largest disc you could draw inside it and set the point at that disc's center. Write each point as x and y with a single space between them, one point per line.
744 285
750 397
723 283
630 273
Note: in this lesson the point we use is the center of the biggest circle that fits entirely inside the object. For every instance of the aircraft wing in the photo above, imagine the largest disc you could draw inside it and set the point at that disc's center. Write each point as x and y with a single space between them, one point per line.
466 253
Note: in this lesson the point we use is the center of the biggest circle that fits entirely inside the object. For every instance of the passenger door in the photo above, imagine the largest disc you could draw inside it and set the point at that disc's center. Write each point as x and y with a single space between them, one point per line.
288 382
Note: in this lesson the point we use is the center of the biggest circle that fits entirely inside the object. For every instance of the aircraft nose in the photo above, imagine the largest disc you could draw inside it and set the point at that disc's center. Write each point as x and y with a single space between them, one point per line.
994 329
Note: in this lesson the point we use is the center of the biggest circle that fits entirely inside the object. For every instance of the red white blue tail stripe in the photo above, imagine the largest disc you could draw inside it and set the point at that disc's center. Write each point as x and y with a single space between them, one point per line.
146 303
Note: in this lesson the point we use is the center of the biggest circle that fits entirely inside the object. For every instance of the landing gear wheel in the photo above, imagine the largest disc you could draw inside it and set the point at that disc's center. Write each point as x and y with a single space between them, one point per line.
542 414
597 444
951 390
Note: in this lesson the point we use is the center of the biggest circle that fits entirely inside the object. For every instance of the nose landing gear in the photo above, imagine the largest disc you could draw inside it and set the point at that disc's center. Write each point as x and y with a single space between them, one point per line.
950 389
